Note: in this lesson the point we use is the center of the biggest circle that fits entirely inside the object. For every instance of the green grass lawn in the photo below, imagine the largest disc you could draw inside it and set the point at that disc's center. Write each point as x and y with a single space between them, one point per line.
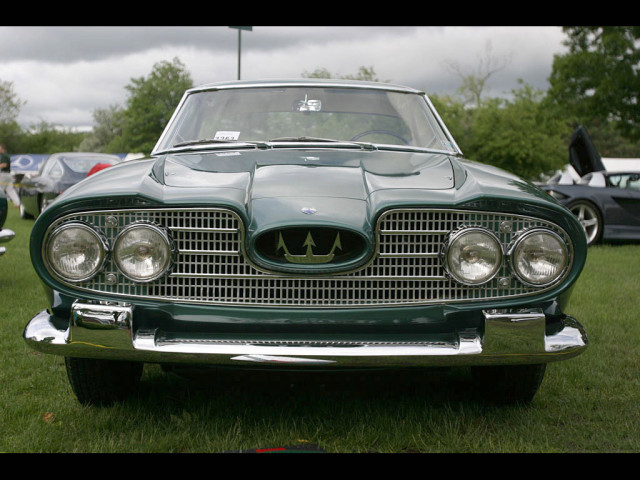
586 404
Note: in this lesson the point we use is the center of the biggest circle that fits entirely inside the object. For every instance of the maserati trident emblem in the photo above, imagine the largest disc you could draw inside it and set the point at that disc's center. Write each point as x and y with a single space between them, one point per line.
309 257
308 210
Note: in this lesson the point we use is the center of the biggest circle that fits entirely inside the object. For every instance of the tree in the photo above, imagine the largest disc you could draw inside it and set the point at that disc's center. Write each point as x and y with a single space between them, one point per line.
364 73
151 102
598 80
48 138
10 106
475 80
524 135
107 128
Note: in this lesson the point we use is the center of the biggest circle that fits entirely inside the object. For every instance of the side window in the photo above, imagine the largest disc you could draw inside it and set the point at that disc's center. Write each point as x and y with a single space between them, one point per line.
614 181
626 181
53 169
633 182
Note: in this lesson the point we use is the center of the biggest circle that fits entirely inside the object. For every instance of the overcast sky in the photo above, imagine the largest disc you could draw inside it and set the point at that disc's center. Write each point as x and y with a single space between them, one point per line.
65 73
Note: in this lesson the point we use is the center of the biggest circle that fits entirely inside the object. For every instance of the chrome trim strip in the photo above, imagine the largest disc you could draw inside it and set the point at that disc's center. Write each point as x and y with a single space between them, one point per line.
108 331
315 277
205 230
413 232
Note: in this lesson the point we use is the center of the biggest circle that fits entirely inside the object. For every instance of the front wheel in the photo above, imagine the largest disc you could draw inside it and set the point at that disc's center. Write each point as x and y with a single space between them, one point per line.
508 383
102 382
589 217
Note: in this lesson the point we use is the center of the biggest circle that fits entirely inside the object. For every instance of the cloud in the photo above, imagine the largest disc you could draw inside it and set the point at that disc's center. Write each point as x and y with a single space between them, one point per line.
65 73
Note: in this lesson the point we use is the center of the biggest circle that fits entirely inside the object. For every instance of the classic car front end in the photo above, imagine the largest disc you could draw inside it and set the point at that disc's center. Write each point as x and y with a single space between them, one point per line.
265 232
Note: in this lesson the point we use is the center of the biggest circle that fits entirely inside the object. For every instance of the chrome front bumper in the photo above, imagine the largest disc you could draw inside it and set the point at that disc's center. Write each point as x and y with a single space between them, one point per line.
5 236
106 331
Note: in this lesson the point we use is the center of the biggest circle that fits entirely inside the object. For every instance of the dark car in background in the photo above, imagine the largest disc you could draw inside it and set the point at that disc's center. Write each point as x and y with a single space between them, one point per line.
306 225
5 234
607 204
59 172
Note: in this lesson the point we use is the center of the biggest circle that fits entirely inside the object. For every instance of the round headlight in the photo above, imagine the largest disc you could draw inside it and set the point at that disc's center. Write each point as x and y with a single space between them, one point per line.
76 252
539 257
142 252
473 256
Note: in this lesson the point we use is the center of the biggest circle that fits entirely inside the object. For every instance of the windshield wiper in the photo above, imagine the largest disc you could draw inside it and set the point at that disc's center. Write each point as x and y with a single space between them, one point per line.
303 139
216 140
366 146
199 142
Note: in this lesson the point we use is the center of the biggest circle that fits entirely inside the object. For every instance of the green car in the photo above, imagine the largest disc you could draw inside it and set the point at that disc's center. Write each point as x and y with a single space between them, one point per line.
306 225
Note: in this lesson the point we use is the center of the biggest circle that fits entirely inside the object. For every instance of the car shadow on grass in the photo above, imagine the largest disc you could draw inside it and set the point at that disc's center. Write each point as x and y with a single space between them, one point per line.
241 389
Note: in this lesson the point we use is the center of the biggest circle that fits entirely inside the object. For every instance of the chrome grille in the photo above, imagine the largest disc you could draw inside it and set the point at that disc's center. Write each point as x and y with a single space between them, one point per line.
212 268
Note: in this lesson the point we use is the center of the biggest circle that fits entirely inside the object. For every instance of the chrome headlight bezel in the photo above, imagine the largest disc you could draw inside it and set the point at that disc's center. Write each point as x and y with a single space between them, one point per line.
455 237
512 252
166 241
101 241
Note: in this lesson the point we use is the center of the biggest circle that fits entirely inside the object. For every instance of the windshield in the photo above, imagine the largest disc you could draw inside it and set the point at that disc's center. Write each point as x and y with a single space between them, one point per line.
308 114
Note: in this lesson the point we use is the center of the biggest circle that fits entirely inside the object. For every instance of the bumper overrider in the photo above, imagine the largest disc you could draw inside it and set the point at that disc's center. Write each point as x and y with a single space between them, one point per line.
109 331
5 236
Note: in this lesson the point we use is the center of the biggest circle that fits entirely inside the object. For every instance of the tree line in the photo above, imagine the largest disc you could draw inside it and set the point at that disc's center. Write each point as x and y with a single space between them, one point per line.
595 83
134 127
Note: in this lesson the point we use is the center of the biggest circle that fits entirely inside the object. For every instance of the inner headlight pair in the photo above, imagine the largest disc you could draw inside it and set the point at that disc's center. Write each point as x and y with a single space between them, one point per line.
76 251
538 257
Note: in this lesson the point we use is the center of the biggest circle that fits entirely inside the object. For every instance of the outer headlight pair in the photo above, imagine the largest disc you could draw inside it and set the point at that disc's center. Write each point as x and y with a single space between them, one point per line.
76 251
473 256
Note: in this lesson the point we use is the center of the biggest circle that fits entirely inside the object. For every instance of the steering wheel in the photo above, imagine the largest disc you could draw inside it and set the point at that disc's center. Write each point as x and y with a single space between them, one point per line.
383 132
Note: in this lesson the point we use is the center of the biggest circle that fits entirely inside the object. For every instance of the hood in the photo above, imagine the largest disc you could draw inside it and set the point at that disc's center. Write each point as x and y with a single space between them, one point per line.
583 155
329 184
317 173
319 193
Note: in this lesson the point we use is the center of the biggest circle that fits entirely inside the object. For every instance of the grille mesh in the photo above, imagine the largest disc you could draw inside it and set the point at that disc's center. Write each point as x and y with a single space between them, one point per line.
211 267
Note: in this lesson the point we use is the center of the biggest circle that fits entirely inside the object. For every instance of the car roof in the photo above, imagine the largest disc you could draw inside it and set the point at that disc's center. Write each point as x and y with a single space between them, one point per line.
307 82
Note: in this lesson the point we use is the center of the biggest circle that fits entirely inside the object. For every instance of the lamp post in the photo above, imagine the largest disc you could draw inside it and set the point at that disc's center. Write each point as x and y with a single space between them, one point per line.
240 43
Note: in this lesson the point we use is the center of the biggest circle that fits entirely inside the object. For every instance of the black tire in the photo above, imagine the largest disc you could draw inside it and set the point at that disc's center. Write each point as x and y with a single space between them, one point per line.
508 384
102 382
590 218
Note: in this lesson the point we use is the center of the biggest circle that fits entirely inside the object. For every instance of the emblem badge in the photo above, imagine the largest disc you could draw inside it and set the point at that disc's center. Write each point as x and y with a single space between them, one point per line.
309 257
308 210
